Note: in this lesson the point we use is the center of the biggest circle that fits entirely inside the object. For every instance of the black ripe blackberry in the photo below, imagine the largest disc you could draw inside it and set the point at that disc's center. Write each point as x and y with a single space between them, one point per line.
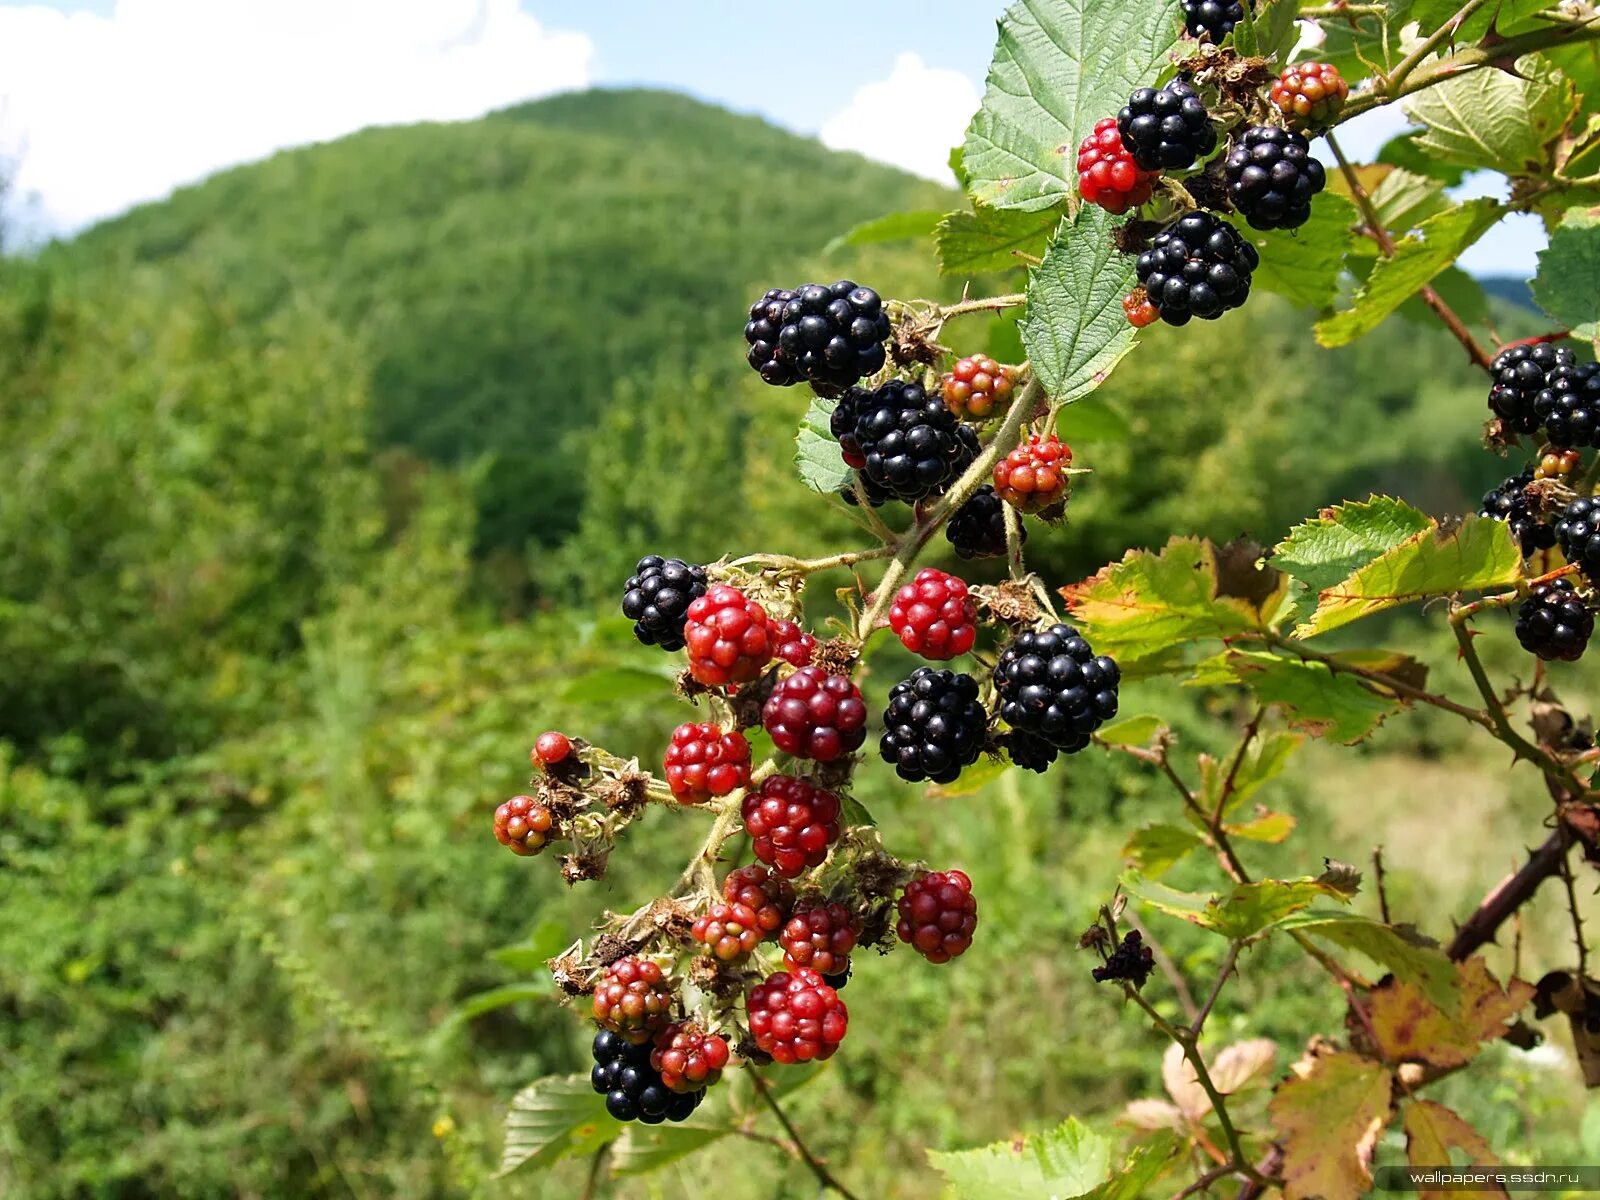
1200 267
1568 406
1027 751
978 528
837 982
657 596
842 424
1578 533
912 445
860 489
632 1088
1051 685
1272 177
1212 18
1520 374
933 727
829 336
1554 622
1509 502
1166 130
1132 961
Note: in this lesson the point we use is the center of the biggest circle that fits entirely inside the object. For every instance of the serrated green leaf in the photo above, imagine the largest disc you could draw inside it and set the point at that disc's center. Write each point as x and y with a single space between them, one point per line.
1418 257
645 1148
1568 283
610 684
1129 731
991 239
1330 548
1478 553
551 1118
1075 330
891 227
1243 912
1265 758
1069 1161
1091 419
1267 29
972 780
1151 603
1424 967
1494 119
1146 1163
1356 45
1153 849
855 813
1271 827
816 455
1059 66
1463 293
1303 265
1314 698
1404 199
1402 151
498 998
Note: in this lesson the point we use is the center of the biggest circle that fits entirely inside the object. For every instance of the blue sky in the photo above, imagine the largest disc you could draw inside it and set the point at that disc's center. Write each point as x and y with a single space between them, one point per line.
106 103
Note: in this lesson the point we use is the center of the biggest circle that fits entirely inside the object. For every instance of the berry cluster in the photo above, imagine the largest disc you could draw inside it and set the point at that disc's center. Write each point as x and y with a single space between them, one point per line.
934 726
1578 535
1200 267
728 637
812 714
1520 373
906 443
978 528
729 932
1213 19
828 336
796 1017
635 1090
792 644
819 936
523 825
1310 94
934 616
657 598
1554 622
1033 477
1272 177
1107 173
1166 129
1052 685
977 387
1132 961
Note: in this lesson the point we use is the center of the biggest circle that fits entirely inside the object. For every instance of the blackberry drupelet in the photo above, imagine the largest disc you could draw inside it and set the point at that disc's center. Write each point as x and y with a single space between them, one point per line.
934 726
1568 406
657 597
1200 267
1027 751
1520 374
1272 177
632 1087
1578 534
1053 686
1554 622
1212 18
829 336
978 528
1166 130
1509 502
912 444
842 424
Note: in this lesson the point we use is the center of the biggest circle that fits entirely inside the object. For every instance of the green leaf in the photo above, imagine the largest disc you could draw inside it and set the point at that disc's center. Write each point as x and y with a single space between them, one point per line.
617 683
1272 827
552 1118
1150 603
1265 758
1568 283
972 780
816 454
990 239
1304 265
1412 960
1404 199
1241 913
645 1148
855 813
1355 44
1463 293
1071 1160
544 943
497 998
1130 731
1147 1162
1402 151
1323 702
893 227
1091 419
1418 257
1267 29
1059 66
1075 329
1494 119
1333 546
1478 553
1153 849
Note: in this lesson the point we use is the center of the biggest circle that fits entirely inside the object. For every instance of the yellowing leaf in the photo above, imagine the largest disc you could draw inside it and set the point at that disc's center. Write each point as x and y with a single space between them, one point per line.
1431 1131
1240 913
1411 1029
1329 1119
1272 827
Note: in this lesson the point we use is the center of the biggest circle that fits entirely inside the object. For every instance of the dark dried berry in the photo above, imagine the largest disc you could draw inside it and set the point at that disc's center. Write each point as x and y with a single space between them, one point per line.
1132 961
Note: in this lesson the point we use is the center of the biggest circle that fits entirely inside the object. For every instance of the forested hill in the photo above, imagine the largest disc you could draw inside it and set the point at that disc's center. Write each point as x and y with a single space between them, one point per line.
505 273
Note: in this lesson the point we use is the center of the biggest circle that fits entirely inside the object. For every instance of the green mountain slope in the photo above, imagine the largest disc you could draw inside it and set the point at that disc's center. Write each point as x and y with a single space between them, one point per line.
505 271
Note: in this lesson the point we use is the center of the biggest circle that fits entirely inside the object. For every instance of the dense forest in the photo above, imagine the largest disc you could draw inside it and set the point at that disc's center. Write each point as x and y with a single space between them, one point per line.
321 480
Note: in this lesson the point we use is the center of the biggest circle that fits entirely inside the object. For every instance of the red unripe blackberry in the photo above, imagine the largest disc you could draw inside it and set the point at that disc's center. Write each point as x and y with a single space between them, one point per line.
1034 475
1554 622
934 616
1140 312
977 386
550 748
1310 94
729 637
791 823
523 825
938 915
762 890
1107 174
702 762
633 999
812 714
796 1017
819 936
728 931
688 1058
792 644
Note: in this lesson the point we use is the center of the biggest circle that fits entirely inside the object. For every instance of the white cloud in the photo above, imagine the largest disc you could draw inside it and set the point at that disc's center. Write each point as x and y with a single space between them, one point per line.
101 112
909 120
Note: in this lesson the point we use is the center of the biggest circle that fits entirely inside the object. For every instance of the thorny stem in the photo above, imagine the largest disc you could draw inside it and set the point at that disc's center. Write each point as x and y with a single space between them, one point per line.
1465 612
1228 965
1572 895
1226 793
1380 234
824 1176
806 566
1383 892
699 868
1432 42
1519 745
1013 521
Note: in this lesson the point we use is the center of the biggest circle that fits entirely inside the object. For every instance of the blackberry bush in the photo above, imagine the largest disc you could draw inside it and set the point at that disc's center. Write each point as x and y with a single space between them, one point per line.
827 336
934 726
1200 267
1166 129
1272 177
1554 622
657 596
1052 685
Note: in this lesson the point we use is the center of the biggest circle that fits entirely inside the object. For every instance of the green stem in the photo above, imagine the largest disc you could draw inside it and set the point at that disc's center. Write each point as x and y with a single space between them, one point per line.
824 1177
1437 38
